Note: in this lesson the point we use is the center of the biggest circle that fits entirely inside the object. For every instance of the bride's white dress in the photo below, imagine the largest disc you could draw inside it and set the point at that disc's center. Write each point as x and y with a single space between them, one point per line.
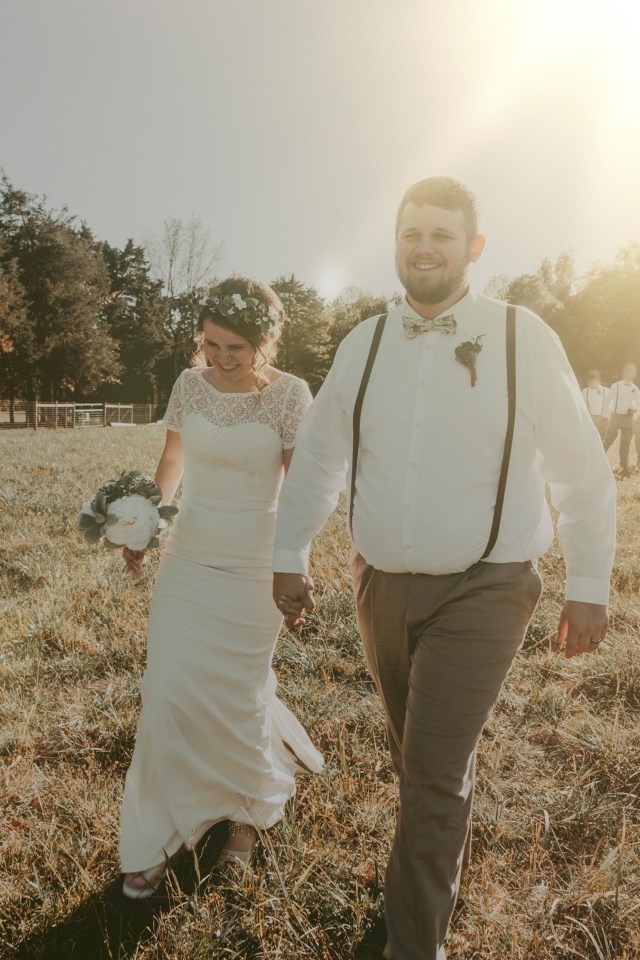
213 741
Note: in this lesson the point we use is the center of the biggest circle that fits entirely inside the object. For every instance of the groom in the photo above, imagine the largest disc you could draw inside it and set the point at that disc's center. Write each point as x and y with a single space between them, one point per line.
447 420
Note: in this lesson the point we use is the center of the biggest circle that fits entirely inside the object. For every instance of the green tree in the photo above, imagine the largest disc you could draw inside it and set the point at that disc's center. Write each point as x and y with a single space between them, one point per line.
134 313
304 348
67 350
597 317
348 310
602 323
545 292
14 332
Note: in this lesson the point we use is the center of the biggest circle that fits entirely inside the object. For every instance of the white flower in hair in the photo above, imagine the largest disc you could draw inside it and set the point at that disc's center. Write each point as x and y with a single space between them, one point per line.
274 316
238 302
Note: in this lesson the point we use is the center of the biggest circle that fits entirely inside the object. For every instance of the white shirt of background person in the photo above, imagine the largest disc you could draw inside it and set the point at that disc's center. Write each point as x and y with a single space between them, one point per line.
596 395
624 396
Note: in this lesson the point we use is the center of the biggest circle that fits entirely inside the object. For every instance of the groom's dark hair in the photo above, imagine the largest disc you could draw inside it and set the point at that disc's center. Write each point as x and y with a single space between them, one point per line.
447 192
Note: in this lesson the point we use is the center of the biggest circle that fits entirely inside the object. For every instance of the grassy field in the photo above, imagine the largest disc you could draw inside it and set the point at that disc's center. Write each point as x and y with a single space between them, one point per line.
556 861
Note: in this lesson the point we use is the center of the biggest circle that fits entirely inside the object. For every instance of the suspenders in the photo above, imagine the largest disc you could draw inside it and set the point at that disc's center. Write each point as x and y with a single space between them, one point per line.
357 410
633 395
511 417
588 389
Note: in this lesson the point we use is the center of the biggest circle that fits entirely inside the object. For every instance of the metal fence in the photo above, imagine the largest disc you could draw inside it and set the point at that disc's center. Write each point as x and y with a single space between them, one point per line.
54 416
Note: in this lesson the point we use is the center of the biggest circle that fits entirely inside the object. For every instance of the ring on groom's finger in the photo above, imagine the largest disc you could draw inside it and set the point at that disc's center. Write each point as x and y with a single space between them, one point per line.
594 643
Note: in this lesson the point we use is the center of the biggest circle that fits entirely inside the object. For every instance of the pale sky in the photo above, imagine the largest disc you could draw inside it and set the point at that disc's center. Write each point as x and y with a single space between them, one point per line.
291 128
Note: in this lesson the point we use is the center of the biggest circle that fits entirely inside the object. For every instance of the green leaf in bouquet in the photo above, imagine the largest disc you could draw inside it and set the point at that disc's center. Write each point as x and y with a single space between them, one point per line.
155 498
111 519
167 512
99 504
100 518
85 521
112 546
93 535
154 542
135 473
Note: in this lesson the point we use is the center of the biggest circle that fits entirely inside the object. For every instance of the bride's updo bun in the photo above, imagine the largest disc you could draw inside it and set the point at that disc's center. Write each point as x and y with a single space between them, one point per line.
249 308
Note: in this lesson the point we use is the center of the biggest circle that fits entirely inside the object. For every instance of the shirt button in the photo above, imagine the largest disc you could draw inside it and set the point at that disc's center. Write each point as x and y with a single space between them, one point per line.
423 383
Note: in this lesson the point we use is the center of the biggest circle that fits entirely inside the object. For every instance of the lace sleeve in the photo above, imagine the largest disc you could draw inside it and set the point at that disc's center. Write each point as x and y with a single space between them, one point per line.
174 416
296 403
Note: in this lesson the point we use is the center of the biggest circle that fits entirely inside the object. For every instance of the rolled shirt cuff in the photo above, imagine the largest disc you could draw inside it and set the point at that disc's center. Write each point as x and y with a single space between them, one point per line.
587 590
291 561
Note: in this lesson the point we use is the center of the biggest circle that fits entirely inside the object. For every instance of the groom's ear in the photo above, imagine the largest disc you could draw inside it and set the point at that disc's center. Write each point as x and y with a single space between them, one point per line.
476 247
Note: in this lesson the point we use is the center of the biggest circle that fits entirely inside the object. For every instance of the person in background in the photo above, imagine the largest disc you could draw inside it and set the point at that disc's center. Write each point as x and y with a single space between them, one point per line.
596 397
624 406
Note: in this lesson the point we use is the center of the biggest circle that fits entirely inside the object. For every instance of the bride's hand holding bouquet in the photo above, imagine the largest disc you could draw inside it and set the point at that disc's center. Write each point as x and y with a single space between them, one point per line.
125 513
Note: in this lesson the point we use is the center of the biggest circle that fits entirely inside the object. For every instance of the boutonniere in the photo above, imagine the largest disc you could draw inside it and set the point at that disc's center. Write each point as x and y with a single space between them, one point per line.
467 353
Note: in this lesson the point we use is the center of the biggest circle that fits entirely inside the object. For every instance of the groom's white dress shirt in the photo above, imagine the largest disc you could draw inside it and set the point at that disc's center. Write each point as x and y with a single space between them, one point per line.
430 453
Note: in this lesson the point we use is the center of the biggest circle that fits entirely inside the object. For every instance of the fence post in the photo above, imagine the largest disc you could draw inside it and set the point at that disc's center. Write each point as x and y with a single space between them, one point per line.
104 414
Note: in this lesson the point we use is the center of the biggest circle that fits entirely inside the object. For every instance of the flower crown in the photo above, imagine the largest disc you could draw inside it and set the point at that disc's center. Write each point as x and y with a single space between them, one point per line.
244 311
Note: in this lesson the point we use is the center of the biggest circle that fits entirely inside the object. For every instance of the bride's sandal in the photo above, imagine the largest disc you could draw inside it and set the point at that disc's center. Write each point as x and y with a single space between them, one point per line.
239 845
143 883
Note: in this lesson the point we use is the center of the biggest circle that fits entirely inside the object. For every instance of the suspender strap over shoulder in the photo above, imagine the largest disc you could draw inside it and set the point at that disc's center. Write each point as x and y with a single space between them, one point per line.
511 419
357 410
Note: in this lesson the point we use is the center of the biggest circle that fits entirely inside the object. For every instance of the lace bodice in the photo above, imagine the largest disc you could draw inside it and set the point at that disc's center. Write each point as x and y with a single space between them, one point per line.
280 405
233 442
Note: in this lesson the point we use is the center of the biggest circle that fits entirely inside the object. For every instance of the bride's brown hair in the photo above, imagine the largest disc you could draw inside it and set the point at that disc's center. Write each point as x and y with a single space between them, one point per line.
264 343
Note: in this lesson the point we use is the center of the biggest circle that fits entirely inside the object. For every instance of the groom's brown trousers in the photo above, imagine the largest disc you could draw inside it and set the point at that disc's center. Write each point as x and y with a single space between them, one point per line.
438 649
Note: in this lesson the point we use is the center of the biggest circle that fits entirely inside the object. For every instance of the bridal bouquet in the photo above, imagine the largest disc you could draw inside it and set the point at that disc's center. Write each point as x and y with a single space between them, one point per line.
126 513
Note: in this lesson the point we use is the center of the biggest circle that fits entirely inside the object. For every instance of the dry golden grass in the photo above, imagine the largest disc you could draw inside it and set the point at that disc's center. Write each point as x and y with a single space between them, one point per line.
556 864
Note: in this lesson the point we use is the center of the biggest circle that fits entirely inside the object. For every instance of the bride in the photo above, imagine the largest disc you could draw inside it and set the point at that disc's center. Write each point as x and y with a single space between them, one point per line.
214 742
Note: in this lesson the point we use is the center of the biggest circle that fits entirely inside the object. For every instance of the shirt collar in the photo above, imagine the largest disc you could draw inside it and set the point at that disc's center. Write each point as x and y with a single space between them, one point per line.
461 310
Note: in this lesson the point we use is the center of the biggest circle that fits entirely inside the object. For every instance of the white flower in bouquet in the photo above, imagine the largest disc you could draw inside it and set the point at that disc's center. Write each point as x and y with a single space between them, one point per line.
126 513
132 522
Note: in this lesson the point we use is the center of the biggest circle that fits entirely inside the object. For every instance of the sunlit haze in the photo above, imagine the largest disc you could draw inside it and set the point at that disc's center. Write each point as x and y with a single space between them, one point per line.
292 127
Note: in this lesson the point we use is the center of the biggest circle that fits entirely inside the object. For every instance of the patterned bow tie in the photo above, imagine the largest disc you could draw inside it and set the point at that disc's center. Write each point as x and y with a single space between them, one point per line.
414 326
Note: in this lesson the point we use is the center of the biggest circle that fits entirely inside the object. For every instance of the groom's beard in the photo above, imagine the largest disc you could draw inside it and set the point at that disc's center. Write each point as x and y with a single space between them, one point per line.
429 290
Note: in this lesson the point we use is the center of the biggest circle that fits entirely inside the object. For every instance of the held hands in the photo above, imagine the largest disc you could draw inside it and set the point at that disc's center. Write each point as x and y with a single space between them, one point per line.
582 627
134 560
293 596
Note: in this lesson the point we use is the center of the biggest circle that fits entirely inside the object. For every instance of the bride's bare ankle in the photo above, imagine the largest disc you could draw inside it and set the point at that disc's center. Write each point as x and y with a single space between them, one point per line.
241 837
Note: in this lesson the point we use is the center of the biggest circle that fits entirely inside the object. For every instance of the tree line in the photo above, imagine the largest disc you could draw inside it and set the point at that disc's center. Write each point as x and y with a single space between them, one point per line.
84 320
